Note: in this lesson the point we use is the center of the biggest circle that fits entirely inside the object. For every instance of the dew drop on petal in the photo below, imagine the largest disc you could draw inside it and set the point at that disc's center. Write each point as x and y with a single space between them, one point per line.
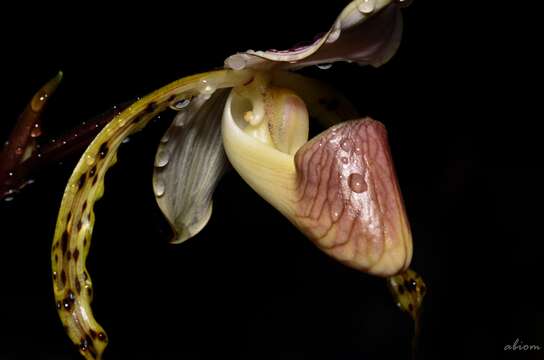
126 140
89 159
357 183
324 66
367 6
159 187
36 131
346 145
162 158
181 104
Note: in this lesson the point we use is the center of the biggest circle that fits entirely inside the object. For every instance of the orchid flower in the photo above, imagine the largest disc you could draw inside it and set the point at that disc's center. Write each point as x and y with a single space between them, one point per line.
339 188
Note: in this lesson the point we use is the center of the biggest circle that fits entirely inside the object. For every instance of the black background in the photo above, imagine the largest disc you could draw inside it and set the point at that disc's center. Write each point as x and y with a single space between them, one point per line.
249 286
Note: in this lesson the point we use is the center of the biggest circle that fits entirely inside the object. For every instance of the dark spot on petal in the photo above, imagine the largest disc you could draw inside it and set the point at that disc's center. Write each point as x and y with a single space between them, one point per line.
92 171
76 254
56 258
411 285
68 217
171 98
90 292
68 255
79 226
93 333
64 241
85 276
101 336
401 289
137 119
63 277
94 180
78 287
85 242
84 345
81 181
54 275
152 106
84 206
411 307
103 151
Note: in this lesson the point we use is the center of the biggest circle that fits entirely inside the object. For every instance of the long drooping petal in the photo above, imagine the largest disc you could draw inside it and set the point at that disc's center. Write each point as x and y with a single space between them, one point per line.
189 163
71 281
367 32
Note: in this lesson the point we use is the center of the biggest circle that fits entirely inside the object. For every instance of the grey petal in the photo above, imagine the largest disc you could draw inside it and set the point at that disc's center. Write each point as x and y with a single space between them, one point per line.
358 35
189 163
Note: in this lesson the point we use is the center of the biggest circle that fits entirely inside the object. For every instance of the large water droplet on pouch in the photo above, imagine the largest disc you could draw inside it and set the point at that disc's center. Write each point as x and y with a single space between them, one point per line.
324 66
162 158
159 187
357 183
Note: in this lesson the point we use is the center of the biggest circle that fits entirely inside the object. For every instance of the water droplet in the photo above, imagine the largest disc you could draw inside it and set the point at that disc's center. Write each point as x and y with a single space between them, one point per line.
344 160
178 105
126 140
206 88
236 62
159 187
89 159
324 66
8 198
367 6
346 145
19 150
334 35
10 173
357 183
36 131
165 138
162 158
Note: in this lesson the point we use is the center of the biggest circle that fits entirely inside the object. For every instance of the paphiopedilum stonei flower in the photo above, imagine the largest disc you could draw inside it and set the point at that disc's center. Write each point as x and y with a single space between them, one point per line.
339 188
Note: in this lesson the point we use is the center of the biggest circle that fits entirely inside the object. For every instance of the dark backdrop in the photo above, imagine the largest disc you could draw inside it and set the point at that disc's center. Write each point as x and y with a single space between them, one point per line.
249 286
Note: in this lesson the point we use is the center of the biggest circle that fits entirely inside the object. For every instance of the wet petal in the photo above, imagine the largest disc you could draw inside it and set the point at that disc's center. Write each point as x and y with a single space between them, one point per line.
349 201
189 163
367 32
71 281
